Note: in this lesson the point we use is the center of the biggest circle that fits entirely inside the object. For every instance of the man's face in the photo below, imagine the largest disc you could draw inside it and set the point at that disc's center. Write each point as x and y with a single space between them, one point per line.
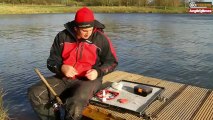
84 33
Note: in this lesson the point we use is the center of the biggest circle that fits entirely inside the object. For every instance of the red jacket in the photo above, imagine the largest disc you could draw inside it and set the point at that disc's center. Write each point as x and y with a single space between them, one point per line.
95 53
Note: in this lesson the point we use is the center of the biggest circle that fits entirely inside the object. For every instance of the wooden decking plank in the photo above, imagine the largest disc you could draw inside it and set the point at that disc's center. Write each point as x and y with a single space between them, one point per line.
169 109
169 101
97 115
148 80
171 89
179 106
173 110
126 116
132 77
115 76
206 111
190 105
201 104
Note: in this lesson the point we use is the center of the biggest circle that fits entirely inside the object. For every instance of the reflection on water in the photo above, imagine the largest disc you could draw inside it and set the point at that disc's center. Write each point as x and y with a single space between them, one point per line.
172 47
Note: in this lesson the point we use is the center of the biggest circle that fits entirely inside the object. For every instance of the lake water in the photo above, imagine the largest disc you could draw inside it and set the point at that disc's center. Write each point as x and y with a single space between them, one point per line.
173 47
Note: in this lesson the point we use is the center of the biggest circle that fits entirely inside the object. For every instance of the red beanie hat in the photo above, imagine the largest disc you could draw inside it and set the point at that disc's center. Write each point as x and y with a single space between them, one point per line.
84 18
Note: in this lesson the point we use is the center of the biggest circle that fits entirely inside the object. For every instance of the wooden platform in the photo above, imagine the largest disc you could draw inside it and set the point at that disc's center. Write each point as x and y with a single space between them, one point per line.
183 102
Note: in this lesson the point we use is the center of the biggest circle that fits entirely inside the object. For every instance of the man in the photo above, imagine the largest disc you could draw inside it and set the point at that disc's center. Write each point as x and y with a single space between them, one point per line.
80 56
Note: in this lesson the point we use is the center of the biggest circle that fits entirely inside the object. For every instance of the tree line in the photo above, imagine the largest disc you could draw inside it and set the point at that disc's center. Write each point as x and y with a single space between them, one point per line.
172 3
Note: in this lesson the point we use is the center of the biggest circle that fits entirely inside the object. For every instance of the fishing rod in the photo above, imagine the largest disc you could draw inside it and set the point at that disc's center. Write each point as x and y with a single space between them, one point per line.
57 106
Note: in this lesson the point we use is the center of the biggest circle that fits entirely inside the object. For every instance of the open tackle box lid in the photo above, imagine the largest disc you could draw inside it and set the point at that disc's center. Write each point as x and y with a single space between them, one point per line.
135 104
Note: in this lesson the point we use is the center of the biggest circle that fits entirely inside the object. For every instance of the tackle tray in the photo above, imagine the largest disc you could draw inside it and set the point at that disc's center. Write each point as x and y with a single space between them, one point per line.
136 104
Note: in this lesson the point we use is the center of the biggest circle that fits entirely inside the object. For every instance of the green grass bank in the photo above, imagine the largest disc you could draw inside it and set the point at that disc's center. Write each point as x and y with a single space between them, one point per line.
37 9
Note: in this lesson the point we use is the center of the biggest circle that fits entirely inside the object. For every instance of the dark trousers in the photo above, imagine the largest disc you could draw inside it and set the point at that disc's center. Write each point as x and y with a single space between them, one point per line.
74 93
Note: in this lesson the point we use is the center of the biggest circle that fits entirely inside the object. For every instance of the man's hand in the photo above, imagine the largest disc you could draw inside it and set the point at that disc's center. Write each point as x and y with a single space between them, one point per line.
92 74
68 71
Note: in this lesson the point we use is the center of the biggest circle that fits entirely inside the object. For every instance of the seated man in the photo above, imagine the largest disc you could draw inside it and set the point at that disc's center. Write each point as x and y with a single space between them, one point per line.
80 56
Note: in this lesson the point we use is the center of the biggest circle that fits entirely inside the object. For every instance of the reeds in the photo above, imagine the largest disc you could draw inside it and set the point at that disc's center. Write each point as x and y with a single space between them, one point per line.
3 111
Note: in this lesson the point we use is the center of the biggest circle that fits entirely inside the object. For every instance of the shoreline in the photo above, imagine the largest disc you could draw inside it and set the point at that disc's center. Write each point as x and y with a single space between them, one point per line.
44 9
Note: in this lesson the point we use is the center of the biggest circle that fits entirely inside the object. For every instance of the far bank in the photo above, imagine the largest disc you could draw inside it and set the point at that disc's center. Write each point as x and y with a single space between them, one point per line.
40 9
